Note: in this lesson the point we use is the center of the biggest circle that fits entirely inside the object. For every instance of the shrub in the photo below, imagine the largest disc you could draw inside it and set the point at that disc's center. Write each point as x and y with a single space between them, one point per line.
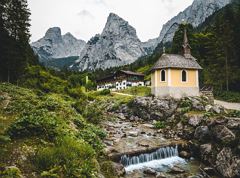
4 139
185 103
159 125
104 92
234 114
108 169
227 96
93 136
93 113
70 157
11 172
80 105
37 122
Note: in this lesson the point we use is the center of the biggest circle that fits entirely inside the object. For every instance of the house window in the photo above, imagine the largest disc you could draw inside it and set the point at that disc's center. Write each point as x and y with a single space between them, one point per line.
184 76
163 76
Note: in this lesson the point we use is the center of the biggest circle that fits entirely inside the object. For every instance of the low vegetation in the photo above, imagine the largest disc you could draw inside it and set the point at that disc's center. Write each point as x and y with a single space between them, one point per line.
137 91
60 140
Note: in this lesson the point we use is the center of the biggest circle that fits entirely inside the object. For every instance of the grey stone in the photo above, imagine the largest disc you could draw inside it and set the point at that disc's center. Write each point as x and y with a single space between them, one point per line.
133 133
206 152
223 134
161 175
149 171
184 154
195 120
228 164
176 170
202 133
233 123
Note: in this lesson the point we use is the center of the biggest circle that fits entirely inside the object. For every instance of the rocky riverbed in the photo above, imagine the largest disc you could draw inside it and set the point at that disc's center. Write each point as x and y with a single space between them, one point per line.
202 130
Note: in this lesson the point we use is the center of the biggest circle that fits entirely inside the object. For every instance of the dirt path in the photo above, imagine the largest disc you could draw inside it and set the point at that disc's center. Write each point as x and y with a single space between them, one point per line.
227 105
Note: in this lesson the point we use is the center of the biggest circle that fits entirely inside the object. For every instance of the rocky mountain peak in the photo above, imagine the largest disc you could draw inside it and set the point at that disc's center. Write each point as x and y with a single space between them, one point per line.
118 26
195 14
117 45
54 34
53 45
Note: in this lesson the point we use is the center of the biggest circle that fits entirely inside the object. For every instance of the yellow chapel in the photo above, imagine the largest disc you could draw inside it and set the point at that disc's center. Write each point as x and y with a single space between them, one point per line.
176 75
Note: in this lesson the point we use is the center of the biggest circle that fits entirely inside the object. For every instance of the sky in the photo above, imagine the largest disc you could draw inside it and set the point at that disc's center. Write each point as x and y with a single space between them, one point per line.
85 18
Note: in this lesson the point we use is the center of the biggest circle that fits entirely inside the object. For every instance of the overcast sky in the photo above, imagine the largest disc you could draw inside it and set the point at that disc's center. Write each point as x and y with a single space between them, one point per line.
85 18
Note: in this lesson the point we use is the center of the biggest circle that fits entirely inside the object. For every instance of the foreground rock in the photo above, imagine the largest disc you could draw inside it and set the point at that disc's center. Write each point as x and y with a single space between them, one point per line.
228 164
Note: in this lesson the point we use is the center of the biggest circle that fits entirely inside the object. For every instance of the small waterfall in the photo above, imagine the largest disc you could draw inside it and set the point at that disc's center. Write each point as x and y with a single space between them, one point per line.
161 153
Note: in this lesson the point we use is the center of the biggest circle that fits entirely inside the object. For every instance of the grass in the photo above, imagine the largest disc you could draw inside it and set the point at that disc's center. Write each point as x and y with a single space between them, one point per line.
228 96
33 121
137 91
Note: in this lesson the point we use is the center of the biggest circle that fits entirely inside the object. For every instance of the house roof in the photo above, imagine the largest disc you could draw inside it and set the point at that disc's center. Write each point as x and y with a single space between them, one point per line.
131 73
176 61
111 77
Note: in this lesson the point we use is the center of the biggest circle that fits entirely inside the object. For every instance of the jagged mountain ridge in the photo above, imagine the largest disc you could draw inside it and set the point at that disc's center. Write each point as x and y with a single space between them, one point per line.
195 14
54 45
117 45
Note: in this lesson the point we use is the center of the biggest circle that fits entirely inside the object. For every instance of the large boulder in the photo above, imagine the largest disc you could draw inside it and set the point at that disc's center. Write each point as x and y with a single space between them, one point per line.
202 133
149 108
228 164
223 134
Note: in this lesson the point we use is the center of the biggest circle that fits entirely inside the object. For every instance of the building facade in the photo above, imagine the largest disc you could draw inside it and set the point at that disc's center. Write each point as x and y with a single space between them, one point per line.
120 80
175 75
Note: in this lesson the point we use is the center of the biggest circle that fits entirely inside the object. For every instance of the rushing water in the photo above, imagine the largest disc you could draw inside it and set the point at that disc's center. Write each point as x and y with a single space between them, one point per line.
161 153
163 157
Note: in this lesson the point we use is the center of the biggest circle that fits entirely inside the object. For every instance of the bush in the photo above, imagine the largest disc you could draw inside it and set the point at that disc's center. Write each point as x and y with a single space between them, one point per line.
80 105
35 123
105 92
228 96
93 113
108 170
185 103
70 157
93 135
159 125
11 172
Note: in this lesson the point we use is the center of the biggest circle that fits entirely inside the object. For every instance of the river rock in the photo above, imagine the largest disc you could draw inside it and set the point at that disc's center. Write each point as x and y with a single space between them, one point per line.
202 133
233 123
208 108
228 164
195 120
223 134
197 104
206 152
209 170
176 170
145 143
184 154
119 168
217 109
149 171
160 175
133 133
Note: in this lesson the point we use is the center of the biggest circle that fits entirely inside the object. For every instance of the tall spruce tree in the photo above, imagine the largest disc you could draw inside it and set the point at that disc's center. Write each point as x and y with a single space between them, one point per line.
14 28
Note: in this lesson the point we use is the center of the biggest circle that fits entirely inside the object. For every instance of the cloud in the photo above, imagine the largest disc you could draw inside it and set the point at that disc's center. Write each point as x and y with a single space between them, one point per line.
85 14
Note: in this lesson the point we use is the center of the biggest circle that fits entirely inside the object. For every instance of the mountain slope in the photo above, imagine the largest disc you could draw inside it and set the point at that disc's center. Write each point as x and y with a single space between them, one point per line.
117 45
194 14
53 45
